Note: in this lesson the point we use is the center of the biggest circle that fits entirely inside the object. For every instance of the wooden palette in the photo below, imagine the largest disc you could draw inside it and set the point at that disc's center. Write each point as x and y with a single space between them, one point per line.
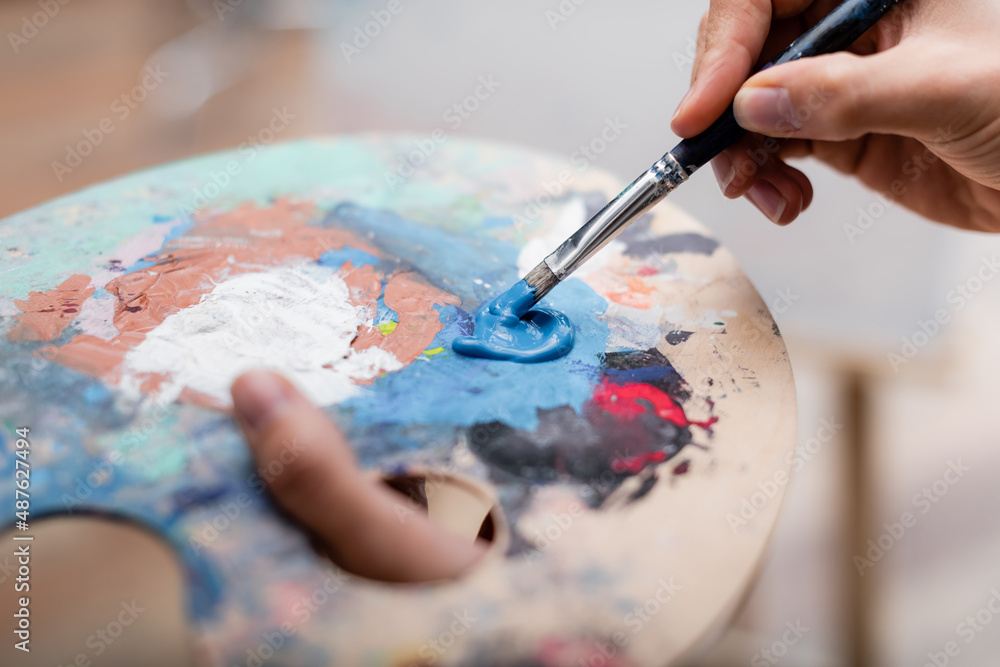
621 475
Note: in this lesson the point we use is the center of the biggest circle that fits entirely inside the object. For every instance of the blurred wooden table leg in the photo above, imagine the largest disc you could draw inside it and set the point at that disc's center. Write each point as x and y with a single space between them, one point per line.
857 517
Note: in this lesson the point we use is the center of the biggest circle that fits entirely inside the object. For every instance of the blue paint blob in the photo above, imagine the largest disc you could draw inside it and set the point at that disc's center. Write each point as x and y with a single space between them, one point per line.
509 329
96 393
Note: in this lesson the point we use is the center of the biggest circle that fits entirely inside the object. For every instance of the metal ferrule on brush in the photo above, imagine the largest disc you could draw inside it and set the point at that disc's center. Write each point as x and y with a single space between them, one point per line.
645 192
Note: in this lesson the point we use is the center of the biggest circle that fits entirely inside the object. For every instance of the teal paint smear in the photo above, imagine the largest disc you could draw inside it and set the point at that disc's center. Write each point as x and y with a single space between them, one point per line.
92 223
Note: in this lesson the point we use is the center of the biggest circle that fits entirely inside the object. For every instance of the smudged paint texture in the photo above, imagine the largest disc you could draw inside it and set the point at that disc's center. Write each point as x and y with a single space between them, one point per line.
95 278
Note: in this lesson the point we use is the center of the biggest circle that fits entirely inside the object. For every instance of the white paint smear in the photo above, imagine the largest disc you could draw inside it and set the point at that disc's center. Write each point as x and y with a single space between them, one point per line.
297 320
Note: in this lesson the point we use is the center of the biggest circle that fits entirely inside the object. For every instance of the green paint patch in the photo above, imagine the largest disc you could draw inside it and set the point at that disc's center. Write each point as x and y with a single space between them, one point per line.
156 450
387 328
433 351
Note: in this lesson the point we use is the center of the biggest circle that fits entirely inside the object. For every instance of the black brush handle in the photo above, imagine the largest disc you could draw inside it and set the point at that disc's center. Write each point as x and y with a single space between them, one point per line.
837 31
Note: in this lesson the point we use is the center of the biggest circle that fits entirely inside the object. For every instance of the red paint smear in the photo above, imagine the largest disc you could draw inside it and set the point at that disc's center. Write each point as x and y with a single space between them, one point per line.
631 400
707 424
647 271
47 314
624 401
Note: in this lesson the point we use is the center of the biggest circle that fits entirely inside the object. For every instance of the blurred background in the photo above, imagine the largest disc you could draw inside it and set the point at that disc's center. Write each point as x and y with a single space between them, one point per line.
141 82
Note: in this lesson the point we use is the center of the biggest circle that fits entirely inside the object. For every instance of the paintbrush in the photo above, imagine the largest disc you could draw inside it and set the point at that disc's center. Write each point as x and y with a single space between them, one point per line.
841 28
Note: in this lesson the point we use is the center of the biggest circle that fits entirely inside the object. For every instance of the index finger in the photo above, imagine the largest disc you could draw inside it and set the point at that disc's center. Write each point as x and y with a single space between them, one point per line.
734 35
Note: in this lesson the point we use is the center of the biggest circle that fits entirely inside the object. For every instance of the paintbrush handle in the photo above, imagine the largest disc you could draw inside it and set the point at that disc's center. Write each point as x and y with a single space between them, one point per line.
835 32
640 196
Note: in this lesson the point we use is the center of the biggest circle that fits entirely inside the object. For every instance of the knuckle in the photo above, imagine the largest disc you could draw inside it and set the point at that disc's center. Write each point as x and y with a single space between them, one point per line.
846 92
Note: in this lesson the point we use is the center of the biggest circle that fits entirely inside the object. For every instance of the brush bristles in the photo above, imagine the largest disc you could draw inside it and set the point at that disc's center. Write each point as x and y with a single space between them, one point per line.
541 280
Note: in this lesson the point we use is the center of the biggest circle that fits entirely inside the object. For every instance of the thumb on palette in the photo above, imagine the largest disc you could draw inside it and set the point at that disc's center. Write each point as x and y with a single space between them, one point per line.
313 475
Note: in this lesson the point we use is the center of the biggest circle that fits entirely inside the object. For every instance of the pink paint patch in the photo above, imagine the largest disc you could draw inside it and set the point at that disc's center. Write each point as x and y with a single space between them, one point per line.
556 652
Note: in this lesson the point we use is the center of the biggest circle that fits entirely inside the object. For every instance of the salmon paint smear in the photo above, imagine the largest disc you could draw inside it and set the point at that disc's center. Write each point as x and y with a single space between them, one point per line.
218 248
45 315
625 289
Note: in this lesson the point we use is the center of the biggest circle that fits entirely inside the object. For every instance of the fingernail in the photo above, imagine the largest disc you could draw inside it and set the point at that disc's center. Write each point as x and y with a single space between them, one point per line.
768 200
725 172
680 107
766 110
259 397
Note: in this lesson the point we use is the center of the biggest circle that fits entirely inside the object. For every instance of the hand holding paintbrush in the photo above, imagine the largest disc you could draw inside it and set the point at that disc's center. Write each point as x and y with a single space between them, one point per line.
924 100
911 109
509 329
838 30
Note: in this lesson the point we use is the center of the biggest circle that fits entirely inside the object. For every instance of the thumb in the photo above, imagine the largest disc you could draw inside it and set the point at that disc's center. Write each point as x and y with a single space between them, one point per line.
844 96
311 472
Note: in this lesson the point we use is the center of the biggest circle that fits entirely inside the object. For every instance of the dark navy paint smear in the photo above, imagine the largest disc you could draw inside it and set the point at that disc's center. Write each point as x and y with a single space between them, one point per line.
643 243
645 487
566 446
509 329
646 367
193 497
692 243
588 448
677 337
